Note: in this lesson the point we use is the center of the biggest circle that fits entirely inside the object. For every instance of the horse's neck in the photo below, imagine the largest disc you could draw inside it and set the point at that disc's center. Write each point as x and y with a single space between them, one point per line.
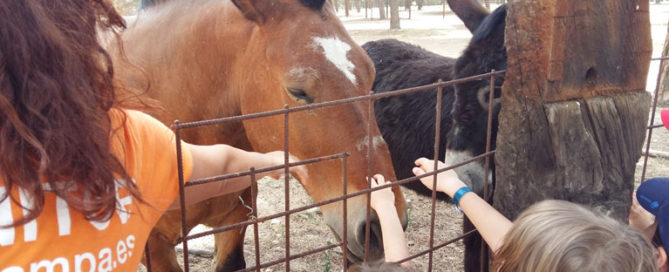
204 39
190 48
193 30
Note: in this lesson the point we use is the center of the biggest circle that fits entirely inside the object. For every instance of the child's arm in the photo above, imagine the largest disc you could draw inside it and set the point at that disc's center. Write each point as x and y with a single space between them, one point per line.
394 241
491 224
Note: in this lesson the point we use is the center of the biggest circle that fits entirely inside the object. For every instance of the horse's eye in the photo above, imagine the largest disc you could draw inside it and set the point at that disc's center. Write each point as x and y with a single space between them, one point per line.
300 94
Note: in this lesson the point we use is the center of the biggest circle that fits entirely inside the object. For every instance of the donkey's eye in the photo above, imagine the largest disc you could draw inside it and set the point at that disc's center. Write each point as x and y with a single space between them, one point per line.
300 94
498 91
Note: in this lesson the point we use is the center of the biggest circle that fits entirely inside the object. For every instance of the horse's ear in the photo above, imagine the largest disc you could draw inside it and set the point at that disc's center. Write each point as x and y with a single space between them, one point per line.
254 10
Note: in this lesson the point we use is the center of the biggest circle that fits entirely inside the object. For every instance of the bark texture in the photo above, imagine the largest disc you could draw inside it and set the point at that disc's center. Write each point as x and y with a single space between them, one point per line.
574 108
394 14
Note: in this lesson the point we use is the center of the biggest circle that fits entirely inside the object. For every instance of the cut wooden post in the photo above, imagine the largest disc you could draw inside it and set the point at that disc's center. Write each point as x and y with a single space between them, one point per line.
574 105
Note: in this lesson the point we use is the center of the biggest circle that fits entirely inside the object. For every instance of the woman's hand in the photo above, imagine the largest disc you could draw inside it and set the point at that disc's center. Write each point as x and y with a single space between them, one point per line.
384 198
447 182
215 160
275 158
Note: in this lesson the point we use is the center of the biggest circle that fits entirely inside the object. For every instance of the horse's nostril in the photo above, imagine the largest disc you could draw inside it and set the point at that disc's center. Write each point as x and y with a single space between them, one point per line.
375 238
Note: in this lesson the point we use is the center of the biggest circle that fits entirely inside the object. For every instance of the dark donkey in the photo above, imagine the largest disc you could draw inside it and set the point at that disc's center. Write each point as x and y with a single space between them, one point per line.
407 122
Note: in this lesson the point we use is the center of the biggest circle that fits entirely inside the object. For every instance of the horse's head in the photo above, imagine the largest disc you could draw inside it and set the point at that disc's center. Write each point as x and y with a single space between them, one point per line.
299 53
485 52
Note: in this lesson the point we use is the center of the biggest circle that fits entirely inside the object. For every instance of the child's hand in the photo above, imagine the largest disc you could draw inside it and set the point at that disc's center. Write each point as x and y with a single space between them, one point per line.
447 182
384 198
277 158
641 220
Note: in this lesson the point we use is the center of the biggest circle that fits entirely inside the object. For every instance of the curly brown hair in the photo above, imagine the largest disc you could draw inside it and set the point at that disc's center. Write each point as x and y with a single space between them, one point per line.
56 87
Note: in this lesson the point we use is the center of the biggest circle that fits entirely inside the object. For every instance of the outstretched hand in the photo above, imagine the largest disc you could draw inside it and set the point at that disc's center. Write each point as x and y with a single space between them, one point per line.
275 158
447 182
384 198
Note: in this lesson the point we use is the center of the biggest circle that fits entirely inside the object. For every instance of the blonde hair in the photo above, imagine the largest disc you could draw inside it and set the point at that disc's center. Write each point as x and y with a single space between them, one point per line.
555 235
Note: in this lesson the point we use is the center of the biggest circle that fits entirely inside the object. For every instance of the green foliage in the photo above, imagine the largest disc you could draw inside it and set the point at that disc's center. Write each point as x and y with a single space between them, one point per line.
328 263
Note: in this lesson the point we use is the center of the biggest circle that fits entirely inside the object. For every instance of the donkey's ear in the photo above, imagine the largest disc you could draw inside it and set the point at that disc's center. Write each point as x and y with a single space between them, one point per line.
470 12
255 10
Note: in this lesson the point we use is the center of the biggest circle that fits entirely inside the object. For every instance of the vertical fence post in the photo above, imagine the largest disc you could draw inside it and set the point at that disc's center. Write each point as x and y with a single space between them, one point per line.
344 234
182 193
254 206
652 119
286 182
437 132
491 96
370 112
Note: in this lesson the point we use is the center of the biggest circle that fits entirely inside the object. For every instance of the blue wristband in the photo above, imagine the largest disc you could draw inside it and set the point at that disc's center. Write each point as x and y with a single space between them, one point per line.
458 195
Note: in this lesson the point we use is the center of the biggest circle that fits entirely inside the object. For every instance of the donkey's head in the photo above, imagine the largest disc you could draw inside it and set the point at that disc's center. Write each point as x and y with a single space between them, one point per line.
485 52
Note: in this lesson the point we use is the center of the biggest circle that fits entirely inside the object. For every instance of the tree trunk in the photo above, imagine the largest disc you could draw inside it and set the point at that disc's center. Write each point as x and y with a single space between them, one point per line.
574 105
394 14
357 5
407 4
419 3
381 4
664 77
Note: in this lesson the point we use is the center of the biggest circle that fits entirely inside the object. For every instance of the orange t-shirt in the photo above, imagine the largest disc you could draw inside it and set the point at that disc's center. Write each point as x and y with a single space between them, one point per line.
61 239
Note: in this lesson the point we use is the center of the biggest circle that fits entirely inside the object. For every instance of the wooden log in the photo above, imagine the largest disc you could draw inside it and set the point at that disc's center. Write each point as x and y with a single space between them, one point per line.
574 106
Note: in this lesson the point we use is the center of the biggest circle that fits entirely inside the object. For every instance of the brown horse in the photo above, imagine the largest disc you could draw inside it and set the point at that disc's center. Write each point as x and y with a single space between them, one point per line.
212 58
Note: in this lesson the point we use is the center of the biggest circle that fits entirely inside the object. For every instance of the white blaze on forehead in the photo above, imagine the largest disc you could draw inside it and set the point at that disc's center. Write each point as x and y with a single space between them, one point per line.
335 51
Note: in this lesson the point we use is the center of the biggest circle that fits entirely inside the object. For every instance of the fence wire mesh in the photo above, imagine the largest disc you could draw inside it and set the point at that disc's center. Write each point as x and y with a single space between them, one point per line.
254 220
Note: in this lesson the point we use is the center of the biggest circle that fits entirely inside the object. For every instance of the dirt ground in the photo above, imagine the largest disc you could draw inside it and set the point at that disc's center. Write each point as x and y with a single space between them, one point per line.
446 36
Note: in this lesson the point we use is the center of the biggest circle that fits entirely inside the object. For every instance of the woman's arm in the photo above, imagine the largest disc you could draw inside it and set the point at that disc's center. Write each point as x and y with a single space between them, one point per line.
491 224
394 241
213 160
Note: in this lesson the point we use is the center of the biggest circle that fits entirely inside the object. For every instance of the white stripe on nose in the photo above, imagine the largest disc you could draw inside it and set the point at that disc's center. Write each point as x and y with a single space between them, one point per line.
335 51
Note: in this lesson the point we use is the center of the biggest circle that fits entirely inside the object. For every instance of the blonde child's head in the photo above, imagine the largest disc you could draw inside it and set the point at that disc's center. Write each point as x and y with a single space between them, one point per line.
555 235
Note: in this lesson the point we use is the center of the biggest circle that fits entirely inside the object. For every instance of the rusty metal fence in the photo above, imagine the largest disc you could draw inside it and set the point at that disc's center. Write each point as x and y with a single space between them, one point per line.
656 94
254 220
